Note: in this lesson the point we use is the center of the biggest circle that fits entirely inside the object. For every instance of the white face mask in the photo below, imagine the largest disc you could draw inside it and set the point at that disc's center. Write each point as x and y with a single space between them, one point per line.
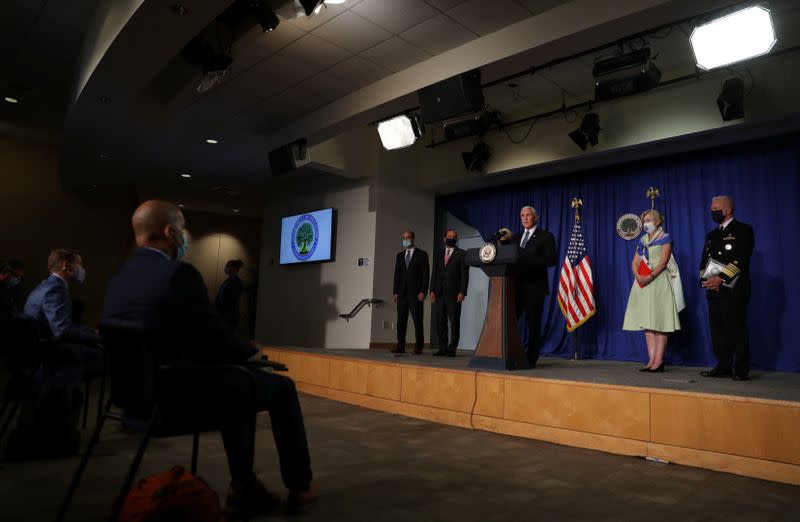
649 228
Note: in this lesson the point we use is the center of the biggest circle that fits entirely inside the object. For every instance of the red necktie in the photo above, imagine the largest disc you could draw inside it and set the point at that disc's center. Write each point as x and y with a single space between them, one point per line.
446 256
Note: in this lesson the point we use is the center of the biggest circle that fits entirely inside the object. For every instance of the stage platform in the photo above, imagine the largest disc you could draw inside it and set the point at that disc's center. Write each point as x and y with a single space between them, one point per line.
748 428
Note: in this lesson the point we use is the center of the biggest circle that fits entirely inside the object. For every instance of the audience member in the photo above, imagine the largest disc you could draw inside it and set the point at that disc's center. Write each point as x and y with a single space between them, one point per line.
162 293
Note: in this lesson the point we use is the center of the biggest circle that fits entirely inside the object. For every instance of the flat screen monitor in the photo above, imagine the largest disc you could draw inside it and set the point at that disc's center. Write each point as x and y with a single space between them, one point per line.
307 237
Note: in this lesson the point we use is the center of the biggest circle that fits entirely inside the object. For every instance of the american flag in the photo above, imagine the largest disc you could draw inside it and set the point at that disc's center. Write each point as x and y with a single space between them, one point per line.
575 286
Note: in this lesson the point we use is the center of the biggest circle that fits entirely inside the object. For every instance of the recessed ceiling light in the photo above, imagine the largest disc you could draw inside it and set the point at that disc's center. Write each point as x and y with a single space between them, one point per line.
102 156
9 99
236 210
180 205
186 175
212 141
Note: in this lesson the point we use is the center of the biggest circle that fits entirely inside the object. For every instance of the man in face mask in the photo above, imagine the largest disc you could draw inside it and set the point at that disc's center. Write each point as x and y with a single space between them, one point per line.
411 278
729 246
448 289
163 294
51 304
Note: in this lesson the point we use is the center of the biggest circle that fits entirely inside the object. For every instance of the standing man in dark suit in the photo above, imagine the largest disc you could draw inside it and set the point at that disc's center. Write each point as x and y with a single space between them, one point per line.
411 278
230 293
158 291
730 244
537 252
448 290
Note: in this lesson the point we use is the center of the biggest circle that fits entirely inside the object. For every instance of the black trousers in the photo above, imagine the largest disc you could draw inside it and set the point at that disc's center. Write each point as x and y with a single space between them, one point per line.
532 306
410 305
727 318
278 396
448 309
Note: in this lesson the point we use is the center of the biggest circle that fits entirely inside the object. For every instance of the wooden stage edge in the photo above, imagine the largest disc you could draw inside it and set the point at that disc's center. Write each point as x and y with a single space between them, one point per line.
742 435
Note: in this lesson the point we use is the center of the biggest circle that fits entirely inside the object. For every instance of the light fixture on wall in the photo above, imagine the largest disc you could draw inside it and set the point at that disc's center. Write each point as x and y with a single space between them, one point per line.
738 36
399 132
587 133
731 99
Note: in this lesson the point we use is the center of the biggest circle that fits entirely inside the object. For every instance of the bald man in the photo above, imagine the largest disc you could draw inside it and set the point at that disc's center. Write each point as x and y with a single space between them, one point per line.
162 293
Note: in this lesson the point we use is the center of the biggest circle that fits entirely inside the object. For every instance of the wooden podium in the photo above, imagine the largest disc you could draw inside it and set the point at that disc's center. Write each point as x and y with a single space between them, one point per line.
499 346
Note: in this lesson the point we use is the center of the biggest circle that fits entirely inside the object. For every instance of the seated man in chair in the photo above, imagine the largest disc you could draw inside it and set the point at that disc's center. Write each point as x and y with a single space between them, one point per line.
50 304
164 294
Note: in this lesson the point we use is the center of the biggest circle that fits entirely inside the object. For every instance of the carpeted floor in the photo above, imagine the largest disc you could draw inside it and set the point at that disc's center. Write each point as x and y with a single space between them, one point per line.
373 466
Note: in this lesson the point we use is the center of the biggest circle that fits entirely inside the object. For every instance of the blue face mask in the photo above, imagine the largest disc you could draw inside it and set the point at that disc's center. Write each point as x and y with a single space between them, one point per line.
183 247
79 274
407 243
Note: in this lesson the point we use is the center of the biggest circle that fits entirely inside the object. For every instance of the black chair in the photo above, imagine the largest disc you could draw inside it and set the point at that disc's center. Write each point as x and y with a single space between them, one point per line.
167 400
30 363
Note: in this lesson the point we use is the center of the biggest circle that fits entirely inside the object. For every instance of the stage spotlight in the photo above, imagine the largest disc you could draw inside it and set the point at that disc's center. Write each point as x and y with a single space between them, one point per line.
399 132
266 17
311 6
731 99
587 133
738 36
476 159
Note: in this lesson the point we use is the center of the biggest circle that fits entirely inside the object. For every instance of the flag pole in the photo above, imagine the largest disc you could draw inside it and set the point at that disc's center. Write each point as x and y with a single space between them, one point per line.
576 203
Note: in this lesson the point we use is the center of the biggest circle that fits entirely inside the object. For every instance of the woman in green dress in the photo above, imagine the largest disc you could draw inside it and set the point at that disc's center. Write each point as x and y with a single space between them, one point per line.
652 302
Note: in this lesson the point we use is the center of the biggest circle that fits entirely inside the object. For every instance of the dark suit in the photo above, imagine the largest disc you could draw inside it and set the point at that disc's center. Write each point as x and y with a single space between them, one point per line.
727 308
170 297
227 301
538 253
409 282
447 282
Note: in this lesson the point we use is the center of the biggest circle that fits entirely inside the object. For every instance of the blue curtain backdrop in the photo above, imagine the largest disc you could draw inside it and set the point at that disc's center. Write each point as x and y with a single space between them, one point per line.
762 177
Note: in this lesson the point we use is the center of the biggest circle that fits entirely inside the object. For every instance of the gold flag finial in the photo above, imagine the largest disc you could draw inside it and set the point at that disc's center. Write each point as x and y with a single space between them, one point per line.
577 203
652 194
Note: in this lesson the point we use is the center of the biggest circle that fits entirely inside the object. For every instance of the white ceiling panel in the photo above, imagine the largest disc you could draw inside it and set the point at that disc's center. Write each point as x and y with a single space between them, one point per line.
271 76
395 54
483 17
540 6
313 53
326 14
396 15
352 32
438 34
444 5
257 45
353 73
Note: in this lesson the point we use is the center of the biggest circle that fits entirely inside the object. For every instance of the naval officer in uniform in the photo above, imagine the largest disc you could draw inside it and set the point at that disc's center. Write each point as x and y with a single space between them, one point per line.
725 274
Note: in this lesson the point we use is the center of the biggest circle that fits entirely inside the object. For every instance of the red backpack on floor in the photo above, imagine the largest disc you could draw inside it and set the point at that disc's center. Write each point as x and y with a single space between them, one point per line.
175 496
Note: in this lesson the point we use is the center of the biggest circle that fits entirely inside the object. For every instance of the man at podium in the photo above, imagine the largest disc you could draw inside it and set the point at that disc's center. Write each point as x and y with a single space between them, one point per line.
537 251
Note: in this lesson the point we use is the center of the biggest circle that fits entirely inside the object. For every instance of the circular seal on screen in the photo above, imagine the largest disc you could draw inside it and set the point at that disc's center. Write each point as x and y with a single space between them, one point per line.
629 226
488 252
305 234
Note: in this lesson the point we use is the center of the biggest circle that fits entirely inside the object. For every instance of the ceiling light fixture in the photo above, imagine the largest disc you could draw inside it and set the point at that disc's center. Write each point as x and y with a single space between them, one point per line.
399 132
731 99
236 210
186 175
10 99
738 36
587 133
266 17
180 205
212 141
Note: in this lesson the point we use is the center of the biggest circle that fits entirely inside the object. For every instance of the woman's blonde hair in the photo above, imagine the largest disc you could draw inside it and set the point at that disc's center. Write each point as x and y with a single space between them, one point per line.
656 214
